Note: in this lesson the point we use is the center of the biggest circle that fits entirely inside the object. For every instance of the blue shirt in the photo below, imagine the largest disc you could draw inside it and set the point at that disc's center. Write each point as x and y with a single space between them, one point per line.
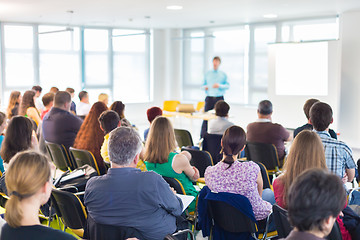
130 198
212 77
338 155
1 161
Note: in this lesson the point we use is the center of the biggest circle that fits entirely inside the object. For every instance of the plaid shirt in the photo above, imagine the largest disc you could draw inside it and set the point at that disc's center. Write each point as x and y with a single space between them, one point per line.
337 154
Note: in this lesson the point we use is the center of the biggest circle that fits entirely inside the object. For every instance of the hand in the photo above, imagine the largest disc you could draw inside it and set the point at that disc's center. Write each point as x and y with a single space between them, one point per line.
206 88
216 85
196 174
345 178
173 190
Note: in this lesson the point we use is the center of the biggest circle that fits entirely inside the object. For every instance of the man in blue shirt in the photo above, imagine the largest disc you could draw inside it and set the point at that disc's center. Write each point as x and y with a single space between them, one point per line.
215 84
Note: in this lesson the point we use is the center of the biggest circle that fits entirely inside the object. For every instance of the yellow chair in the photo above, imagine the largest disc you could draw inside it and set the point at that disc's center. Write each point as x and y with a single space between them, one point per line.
170 105
199 106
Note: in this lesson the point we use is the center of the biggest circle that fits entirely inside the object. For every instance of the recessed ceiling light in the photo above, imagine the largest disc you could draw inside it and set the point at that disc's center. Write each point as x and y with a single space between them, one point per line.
270 15
174 7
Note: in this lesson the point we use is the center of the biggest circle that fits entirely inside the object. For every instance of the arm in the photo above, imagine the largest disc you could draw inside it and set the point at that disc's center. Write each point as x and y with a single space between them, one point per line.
224 85
259 182
205 84
181 163
350 165
350 174
167 198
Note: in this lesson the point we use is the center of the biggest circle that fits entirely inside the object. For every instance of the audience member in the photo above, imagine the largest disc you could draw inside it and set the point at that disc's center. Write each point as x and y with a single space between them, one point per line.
90 136
119 107
54 90
151 113
308 104
59 125
73 105
14 102
48 101
264 131
28 180
109 120
244 178
221 122
27 107
129 197
103 97
315 199
338 155
38 103
2 127
83 107
160 157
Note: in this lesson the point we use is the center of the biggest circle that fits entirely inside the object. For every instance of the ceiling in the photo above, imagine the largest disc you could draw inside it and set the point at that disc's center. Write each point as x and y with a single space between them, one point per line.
153 13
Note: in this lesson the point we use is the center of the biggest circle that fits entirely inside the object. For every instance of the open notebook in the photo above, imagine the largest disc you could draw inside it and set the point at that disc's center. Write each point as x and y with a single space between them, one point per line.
186 200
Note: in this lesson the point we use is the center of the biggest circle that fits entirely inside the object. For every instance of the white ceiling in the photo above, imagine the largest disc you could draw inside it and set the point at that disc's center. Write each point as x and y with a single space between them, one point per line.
196 13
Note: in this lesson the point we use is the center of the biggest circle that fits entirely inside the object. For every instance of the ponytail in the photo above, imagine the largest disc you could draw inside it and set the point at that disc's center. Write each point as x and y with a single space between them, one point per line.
13 214
233 141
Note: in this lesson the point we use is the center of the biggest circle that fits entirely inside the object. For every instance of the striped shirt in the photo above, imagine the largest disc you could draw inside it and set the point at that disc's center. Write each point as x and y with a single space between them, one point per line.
337 154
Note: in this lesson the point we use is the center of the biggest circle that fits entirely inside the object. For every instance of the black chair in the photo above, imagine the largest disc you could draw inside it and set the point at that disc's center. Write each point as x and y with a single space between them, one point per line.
175 184
175 236
358 169
199 159
264 153
60 156
265 176
212 144
183 138
83 157
70 210
3 199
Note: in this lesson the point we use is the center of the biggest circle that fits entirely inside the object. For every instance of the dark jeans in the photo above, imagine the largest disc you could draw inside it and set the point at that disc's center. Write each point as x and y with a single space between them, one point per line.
209 104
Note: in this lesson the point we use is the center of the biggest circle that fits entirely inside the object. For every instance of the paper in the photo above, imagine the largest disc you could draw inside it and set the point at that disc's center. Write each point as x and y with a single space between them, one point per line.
74 174
186 200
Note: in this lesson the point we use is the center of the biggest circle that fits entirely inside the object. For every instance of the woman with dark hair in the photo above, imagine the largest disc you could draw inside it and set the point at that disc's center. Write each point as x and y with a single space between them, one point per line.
233 176
27 107
119 107
90 136
13 107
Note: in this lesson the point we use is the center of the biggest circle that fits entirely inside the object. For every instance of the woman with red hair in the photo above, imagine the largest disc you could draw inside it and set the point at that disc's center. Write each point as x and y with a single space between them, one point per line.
90 136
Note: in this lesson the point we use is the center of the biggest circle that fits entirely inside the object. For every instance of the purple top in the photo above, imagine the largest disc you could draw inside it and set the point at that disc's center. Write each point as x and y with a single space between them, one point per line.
240 178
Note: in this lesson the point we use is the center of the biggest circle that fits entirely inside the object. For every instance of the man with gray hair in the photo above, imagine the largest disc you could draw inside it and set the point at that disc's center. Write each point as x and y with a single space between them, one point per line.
127 197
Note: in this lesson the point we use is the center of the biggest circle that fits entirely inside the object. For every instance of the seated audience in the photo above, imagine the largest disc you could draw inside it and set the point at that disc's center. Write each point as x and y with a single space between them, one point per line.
59 125
2 128
28 180
13 107
221 122
119 107
27 107
264 131
73 105
90 136
315 200
152 113
54 90
103 97
338 155
83 107
308 104
38 103
160 157
244 178
48 101
129 197
109 120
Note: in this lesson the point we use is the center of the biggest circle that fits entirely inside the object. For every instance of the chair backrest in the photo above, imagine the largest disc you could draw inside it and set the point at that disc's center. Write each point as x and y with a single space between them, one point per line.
264 175
264 153
176 184
282 223
97 231
200 105
83 157
3 199
183 138
69 207
212 144
170 105
60 156
199 159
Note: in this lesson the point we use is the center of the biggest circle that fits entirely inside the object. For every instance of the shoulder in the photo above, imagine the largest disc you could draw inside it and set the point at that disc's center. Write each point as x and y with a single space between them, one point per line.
56 234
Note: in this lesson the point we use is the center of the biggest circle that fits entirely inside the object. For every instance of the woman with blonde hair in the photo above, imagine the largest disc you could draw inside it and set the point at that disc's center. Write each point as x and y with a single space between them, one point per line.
103 97
13 107
28 180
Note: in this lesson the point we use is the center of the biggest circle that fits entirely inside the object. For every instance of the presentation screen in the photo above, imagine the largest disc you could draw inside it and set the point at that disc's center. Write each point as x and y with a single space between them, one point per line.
301 69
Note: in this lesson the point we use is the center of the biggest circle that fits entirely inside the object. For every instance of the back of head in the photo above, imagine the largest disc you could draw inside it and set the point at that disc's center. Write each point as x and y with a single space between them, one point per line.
61 98
161 141
118 107
82 94
13 100
103 97
17 137
109 120
265 107
308 104
153 112
27 173
307 152
70 90
37 88
48 98
26 102
233 141
54 90
221 108
124 145
2 118
314 197
321 116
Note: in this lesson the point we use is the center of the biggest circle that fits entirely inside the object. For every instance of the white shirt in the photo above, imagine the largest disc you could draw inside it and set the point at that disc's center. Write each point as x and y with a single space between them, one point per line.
219 125
82 109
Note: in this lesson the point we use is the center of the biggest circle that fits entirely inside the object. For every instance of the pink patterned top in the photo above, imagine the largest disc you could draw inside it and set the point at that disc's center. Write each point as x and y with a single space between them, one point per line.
240 178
